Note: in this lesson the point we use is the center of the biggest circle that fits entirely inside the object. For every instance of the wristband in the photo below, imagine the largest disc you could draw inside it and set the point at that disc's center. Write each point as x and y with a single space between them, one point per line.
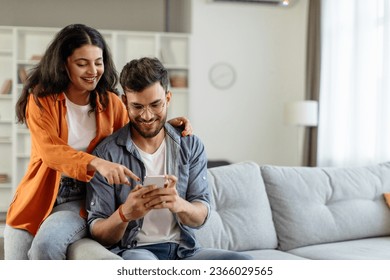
123 218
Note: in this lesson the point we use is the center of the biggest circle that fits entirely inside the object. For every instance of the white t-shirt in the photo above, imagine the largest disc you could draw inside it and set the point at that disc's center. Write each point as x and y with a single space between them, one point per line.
81 125
159 225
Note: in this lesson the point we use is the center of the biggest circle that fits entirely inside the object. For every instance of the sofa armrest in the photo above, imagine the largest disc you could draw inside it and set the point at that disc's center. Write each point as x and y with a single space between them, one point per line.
89 249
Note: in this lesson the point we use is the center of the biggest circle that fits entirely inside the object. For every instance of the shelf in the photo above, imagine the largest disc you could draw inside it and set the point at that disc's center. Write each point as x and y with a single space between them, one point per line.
27 62
23 131
178 90
5 140
6 52
32 41
6 96
5 121
23 156
176 66
6 185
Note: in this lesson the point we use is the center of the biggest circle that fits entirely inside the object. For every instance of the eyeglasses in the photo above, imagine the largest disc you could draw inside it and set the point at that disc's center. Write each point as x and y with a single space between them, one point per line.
154 108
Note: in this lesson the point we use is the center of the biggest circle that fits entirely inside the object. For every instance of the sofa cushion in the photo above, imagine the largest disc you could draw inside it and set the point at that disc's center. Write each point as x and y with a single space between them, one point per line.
240 217
272 254
361 249
313 205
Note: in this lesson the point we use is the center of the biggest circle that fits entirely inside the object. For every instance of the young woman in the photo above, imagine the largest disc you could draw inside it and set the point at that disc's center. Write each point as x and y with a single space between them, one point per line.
69 104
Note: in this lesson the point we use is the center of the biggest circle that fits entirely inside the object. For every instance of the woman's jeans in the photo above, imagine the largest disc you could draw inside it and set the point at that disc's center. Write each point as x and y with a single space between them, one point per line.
60 229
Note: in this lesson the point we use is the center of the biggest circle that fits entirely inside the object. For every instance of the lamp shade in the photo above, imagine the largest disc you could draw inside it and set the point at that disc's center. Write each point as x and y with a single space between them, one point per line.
301 113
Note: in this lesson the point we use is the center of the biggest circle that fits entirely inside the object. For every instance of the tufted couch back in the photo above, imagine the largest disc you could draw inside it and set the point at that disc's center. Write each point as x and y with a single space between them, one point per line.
240 217
322 205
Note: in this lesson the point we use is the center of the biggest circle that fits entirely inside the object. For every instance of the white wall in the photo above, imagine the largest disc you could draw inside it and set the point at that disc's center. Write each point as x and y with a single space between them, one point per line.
266 45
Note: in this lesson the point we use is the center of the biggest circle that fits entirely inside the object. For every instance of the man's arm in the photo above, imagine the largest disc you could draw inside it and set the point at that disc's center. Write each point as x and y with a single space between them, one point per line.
111 230
194 214
108 231
191 214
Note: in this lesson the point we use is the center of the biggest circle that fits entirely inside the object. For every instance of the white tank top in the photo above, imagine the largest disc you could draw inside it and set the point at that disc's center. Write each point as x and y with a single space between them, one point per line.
81 125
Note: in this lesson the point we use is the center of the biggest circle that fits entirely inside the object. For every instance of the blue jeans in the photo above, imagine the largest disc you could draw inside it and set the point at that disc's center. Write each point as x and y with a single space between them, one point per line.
167 251
60 229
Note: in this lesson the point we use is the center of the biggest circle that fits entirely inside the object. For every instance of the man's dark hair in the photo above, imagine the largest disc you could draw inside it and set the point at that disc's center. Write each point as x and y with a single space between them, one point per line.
139 74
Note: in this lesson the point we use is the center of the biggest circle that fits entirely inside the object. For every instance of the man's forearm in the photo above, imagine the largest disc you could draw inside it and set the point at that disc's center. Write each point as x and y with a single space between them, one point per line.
194 214
109 231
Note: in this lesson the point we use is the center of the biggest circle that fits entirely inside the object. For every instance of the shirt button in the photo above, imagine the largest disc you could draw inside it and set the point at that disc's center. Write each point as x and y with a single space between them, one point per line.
204 178
128 246
92 203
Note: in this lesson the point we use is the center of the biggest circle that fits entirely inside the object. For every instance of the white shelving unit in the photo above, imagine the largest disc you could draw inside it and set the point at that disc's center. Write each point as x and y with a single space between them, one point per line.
6 116
172 49
20 48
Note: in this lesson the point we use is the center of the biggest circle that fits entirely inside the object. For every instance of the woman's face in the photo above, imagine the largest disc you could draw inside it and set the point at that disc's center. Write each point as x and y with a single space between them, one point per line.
85 68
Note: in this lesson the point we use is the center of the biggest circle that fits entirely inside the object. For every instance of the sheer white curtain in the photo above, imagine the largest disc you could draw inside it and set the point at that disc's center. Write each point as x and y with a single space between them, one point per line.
354 120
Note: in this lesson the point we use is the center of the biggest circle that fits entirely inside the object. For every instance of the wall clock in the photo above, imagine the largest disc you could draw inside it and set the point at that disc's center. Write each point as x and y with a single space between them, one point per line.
222 75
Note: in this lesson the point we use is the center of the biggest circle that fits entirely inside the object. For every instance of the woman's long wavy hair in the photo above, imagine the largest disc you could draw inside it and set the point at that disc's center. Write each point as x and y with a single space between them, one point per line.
50 77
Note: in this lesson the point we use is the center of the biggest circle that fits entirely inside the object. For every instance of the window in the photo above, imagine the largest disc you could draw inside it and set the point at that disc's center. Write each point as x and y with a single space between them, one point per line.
354 120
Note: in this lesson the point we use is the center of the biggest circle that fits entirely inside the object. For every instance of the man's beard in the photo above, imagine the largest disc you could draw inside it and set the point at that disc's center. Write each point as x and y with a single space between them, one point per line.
148 134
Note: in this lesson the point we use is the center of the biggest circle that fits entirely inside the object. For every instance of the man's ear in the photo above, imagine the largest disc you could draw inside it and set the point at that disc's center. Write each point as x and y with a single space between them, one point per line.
168 96
124 99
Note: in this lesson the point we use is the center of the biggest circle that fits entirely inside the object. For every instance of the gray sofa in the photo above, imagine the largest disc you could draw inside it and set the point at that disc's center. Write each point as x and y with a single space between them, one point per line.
291 213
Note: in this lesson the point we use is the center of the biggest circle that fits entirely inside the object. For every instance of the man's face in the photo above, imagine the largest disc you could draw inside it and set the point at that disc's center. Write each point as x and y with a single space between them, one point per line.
147 109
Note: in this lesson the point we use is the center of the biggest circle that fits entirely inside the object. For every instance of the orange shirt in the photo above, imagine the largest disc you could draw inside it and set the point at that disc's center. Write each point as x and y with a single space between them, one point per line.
51 156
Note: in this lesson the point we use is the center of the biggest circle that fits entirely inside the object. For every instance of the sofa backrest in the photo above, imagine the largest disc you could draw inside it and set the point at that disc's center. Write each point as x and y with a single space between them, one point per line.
240 217
312 205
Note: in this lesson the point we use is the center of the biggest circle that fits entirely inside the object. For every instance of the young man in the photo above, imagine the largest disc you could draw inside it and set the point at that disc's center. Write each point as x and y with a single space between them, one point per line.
147 222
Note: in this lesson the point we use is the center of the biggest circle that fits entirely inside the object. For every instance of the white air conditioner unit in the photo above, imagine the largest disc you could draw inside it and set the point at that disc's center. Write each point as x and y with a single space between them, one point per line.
271 2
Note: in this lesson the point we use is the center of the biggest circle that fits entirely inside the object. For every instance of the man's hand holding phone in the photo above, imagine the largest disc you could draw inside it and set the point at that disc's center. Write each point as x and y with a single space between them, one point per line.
165 195
143 197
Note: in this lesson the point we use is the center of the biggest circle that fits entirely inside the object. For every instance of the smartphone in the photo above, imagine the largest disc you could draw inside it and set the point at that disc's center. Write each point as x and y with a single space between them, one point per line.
158 180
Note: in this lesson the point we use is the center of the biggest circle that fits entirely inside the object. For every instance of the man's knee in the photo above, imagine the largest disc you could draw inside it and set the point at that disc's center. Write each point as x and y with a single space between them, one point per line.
138 254
217 254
